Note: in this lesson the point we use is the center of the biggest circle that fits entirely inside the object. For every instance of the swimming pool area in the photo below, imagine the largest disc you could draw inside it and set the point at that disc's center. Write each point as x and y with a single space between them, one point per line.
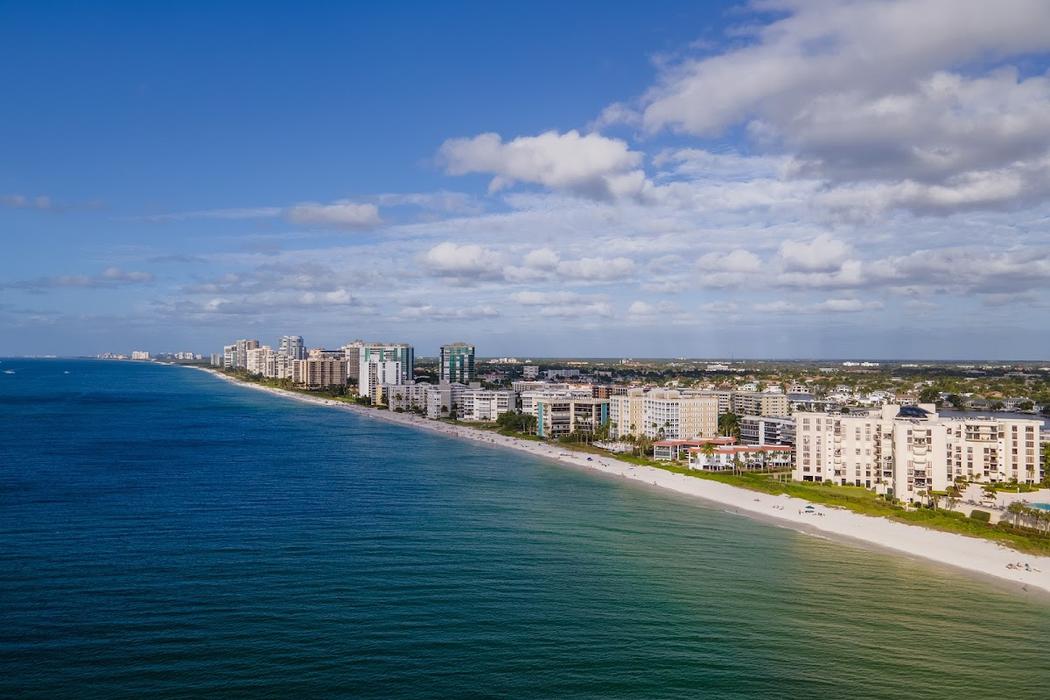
1041 506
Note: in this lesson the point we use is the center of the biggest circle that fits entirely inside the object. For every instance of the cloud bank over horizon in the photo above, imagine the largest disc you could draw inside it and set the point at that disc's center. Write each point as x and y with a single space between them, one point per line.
812 179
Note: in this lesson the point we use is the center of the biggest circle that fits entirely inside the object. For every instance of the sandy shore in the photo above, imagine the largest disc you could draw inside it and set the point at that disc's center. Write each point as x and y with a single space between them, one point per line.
968 553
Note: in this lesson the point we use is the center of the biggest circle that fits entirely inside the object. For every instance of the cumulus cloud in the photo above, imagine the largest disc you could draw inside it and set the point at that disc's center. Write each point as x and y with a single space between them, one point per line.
596 268
727 269
586 164
821 254
870 95
468 260
341 215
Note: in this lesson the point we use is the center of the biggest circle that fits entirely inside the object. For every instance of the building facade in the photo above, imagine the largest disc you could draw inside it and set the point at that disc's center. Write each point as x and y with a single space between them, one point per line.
319 372
741 457
379 363
292 346
760 403
235 356
908 451
457 363
560 416
767 430
663 414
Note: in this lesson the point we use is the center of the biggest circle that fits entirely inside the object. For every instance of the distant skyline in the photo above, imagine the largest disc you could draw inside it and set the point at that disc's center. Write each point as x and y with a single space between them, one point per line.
783 179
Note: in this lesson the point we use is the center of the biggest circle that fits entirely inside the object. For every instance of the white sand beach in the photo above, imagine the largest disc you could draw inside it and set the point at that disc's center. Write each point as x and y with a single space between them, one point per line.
968 553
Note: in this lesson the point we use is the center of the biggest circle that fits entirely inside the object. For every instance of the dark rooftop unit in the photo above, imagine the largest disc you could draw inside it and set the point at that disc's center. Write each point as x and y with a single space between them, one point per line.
912 412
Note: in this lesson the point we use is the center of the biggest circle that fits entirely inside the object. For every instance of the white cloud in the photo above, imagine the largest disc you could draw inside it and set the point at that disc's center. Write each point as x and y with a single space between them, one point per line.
847 305
467 260
596 268
533 298
440 313
727 269
588 164
869 95
821 254
340 215
541 259
598 308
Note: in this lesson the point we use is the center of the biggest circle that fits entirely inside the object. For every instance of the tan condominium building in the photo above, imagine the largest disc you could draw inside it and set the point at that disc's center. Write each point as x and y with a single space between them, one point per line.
760 403
319 372
663 414
907 451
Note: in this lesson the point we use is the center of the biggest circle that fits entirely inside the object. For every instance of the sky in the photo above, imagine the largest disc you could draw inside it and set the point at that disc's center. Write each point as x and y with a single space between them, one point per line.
784 178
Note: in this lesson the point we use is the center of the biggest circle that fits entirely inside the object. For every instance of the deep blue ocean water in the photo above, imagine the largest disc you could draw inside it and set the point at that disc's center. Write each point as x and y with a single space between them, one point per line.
167 534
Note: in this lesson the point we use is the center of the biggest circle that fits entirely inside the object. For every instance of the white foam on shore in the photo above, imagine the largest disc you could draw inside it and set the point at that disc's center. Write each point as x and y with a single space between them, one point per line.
969 553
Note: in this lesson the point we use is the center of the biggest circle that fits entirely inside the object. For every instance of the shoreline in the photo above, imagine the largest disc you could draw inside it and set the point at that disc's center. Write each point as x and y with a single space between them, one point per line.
977 556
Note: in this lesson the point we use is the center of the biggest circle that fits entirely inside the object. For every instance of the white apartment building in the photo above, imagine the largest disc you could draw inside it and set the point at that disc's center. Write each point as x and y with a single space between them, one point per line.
379 363
745 457
278 366
373 374
664 414
767 430
405 397
558 416
292 346
443 399
530 398
907 451
140 355
258 359
530 371
484 405
236 356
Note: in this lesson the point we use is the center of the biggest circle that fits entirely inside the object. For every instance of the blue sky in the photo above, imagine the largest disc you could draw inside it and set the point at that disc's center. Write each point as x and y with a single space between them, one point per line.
785 179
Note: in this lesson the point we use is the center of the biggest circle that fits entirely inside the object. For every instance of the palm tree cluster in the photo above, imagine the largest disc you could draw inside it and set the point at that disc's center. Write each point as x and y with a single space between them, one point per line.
1027 516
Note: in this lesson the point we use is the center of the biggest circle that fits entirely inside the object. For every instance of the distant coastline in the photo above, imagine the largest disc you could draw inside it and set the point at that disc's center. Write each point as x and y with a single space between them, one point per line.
977 556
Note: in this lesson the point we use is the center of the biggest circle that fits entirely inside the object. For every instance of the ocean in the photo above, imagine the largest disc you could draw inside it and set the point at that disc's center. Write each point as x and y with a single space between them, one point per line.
167 534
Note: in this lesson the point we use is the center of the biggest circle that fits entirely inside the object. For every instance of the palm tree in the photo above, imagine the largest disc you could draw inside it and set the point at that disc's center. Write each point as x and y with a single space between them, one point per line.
729 425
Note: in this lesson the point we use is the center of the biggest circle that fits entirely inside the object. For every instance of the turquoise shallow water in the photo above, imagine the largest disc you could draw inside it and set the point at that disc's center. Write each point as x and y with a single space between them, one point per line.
166 533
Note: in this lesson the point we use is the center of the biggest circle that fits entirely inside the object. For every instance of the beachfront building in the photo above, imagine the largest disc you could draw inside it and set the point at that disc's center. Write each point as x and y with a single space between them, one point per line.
257 359
319 372
485 405
292 346
660 414
668 450
235 356
560 416
407 397
352 353
530 397
767 430
457 363
383 363
278 366
725 458
908 451
140 355
443 400
760 403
